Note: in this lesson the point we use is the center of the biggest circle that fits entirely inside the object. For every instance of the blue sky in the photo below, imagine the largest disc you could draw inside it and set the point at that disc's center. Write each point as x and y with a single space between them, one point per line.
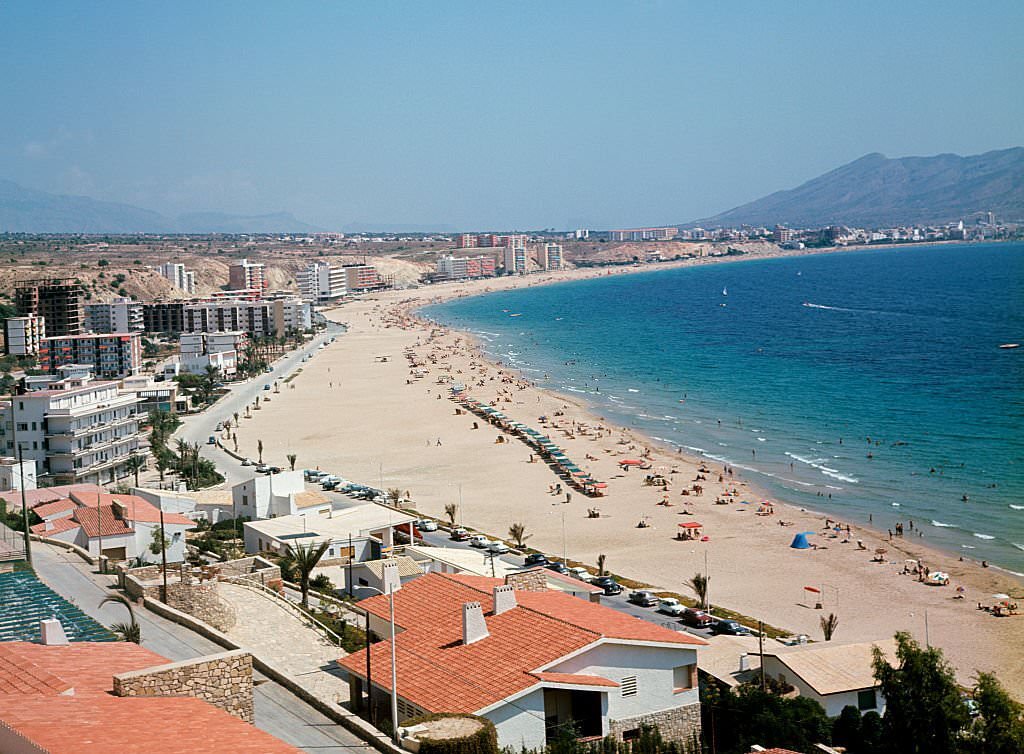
481 115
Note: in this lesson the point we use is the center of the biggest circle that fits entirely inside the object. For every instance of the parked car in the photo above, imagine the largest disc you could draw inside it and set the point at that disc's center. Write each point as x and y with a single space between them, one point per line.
211 440
219 427
426 524
261 468
609 585
671 606
497 548
536 559
460 535
274 470
558 567
478 540
328 484
697 618
643 598
266 387
246 462
730 627
581 573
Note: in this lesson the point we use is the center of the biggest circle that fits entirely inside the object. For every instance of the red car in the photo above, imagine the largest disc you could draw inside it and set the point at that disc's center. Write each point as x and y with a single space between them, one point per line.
697 618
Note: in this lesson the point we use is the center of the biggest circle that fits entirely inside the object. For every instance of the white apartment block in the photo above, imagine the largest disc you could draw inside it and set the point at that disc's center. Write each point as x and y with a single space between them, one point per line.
180 278
549 256
76 429
258 319
322 282
23 335
120 315
515 258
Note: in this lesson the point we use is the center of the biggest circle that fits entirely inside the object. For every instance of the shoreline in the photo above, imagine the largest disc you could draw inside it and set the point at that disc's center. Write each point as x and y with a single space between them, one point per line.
387 427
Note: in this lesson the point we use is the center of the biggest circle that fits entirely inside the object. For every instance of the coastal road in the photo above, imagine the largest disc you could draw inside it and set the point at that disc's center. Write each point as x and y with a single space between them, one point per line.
278 712
197 428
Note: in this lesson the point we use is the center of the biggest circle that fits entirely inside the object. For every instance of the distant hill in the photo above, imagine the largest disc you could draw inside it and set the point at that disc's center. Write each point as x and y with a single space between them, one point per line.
24 210
876 191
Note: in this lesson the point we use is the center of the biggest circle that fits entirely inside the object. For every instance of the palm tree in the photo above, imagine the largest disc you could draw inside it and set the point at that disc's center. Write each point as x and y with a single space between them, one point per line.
450 510
395 496
130 631
291 460
161 462
600 565
518 534
135 464
236 419
259 449
306 559
829 625
699 585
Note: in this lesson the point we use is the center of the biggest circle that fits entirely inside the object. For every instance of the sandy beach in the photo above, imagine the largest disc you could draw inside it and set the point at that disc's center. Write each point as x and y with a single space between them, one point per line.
358 410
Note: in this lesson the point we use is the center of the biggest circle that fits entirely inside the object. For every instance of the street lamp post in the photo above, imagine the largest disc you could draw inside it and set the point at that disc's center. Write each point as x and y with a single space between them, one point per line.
394 661
24 507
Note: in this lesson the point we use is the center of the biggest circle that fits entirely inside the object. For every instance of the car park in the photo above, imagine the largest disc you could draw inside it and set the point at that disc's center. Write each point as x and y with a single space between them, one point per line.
730 627
426 524
558 567
643 598
478 540
497 548
608 585
671 606
697 618
536 559
459 535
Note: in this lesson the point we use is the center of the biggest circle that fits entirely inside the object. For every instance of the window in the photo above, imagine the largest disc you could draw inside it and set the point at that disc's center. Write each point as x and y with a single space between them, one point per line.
23 426
866 700
628 685
633 734
684 678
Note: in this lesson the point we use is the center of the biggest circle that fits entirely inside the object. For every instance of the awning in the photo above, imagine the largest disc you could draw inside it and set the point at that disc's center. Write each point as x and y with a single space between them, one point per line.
630 462
691 525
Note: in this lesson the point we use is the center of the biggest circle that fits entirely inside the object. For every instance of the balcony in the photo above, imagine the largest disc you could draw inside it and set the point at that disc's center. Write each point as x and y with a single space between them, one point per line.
93 428
120 401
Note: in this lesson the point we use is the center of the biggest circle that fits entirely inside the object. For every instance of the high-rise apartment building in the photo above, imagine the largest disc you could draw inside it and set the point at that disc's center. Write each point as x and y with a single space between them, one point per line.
245 274
120 315
466 241
643 234
58 300
782 234
549 256
362 277
460 268
515 258
109 355
163 316
22 335
180 278
322 282
75 428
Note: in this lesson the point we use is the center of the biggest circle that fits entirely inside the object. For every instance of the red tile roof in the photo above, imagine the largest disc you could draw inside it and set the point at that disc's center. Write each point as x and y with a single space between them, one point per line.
437 672
92 721
46 494
135 508
101 521
132 508
136 725
56 526
57 506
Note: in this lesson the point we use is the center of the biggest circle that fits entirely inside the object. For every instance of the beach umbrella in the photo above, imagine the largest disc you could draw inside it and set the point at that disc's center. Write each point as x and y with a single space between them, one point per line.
800 541
630 462
1001 596
691 525
580 473
600 485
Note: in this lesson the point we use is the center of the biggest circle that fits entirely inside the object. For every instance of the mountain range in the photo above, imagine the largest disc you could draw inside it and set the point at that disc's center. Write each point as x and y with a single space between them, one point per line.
24 210
876 191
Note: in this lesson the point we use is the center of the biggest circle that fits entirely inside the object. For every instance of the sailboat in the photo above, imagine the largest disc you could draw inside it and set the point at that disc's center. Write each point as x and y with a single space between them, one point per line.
725 291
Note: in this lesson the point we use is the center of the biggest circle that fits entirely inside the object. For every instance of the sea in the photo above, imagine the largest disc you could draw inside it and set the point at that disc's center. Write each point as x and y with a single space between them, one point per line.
868 385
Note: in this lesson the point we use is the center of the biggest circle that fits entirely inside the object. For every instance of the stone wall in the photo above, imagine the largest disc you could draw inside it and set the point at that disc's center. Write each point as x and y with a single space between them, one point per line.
223 680
680 724
528 581
202 600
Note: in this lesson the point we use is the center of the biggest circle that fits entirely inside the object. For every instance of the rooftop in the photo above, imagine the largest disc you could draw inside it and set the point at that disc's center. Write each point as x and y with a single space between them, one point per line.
443 674
833 668
356 521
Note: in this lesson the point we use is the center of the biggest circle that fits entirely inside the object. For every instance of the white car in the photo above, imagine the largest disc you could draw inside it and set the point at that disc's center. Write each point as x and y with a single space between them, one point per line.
671 606
581 573
478 540
497 548
426 524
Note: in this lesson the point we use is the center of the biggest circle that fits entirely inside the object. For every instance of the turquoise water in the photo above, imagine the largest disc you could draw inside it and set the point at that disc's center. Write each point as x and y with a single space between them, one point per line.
874 377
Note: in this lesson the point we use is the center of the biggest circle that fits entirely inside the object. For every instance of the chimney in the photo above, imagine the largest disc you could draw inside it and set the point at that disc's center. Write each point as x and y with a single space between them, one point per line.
389 575
744 662
504 598
52 633
474 628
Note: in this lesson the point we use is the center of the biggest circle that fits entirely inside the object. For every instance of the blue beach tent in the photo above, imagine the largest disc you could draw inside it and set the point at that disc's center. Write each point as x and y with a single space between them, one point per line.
800 541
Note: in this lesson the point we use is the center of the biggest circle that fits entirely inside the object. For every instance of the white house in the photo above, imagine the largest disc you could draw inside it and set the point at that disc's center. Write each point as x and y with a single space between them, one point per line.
120 527
15 475
271 495
533 662
362 532
833 675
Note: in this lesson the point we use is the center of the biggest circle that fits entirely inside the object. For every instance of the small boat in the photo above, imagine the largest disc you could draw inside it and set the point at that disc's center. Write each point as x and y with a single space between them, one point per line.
1010 345
515 315
725 291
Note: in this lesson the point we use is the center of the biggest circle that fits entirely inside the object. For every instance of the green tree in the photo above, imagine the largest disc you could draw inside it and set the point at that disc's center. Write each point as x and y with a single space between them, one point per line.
130 631
135 464
158 543
999 726
699 585
846 729
829 625
736 721
924 712
306 557
517 532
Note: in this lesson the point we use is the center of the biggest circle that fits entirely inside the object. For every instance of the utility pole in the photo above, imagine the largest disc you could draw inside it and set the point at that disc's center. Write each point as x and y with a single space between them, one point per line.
369 677
24 505
163 553
351 554
707 583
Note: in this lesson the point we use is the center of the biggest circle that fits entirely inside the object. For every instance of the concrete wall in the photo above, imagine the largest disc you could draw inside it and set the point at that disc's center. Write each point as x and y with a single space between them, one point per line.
521 726
223 680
